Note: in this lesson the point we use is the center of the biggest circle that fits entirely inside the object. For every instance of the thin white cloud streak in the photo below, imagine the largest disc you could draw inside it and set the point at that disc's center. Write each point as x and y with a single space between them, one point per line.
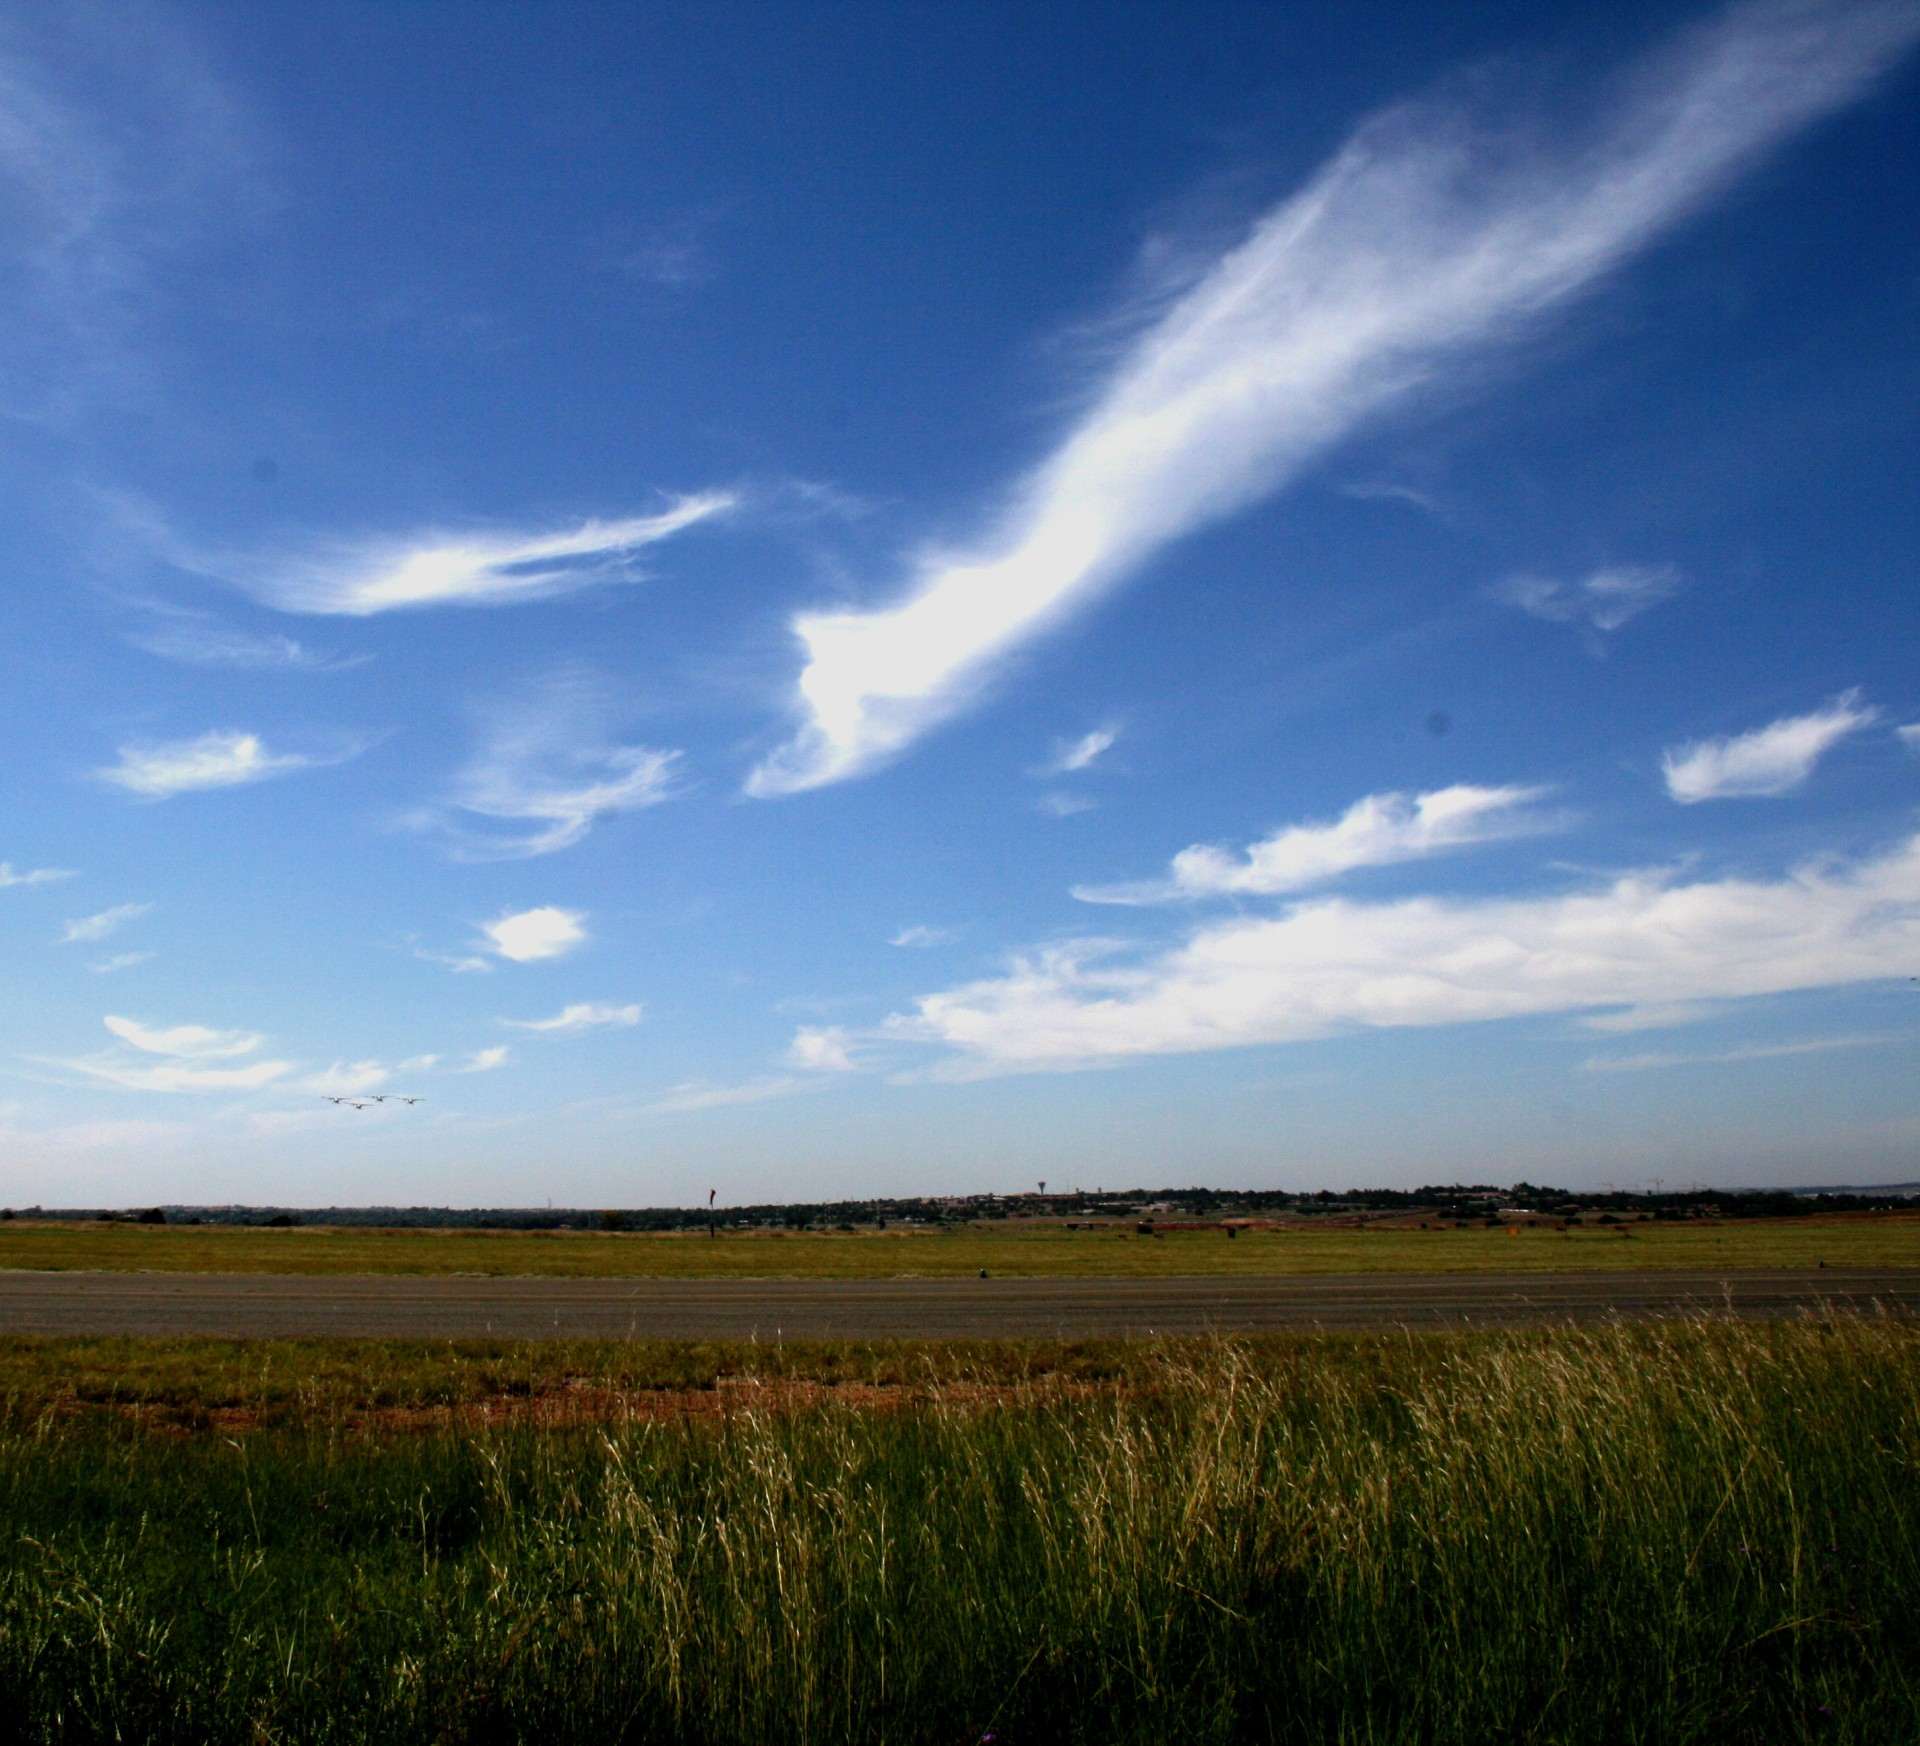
685 1099
1072 756
583 1015
920 936
93 928
180 1076
33 875
1061 804
1727 1057
529 935
120 961
1378 831
486 1060
476 570
547 771
183 1042
197 643
347 1078
1424 240
1910 736
1603 601
1330 966
1772 760
214 760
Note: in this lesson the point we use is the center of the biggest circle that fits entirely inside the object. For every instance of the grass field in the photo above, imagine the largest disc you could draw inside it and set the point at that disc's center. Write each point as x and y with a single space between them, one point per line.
1698 1533
1016 1249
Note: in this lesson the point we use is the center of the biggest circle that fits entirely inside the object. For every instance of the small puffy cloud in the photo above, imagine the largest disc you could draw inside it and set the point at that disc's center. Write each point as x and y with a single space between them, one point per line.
184 1042
821 1049
109 921
478 570
584 1015
214 760
1378 831
545 773
1321 968
1072 756
32 876
486 1060
1602 601
527 935
919 935
1775 759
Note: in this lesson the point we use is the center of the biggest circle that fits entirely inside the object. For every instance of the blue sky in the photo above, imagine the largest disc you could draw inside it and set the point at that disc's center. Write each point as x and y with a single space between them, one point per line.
810 601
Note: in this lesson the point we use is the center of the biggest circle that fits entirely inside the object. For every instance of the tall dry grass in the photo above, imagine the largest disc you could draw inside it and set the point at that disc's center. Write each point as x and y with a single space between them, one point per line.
1707 1532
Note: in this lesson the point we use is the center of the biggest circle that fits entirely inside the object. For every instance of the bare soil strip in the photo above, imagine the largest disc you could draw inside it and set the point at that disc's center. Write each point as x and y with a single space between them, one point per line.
387 1306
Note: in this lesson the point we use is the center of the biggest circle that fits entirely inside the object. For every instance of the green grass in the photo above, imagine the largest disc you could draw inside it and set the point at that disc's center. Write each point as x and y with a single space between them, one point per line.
1016 1249
1695 1533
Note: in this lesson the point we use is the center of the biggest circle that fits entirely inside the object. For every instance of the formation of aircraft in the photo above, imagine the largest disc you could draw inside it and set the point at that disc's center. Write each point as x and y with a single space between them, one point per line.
370 1097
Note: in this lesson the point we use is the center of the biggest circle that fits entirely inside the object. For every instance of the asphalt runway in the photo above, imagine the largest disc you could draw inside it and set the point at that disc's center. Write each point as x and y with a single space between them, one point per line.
265 1306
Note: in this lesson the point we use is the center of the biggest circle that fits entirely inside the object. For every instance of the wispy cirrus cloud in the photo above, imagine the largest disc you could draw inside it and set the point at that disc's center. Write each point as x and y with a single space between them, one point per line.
185 1042
184 1052
119 961
1320 968
1729 1057
1909 736
1378 831
526 936
582 1015
92 928
686 1099
1070 757
1772 760
31 876
196 640
1601 601
466 570
920 935
1429 238
214 760
545 773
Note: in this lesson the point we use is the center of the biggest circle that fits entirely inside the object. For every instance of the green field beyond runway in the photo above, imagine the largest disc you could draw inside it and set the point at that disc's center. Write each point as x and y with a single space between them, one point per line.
1018 1250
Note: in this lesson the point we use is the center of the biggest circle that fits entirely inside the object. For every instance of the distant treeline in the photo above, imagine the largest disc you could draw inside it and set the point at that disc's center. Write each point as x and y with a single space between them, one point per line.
1454 1201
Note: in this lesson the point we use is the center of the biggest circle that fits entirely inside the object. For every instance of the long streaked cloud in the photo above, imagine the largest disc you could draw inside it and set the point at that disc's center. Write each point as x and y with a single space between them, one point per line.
214 760
545 773
468 570
32 876
195 640
582 1015
1319 968
183 1042
1070 757
93 928
1378 831
1775 759
1427 239
1655 1060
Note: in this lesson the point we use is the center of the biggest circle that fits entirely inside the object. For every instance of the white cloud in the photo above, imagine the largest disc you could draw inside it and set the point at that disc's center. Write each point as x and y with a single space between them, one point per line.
195 641
1427 238
1378 831
346 1078
32 876
1328 966
584 1015
549 770
920 935
683 1099
460 964
1062 804
531 934
486 1060
478 570
1603 601
175 1076
109 921
1756 1052
1070 756
120 961
184 1042
214 760
821 1049
1775 759
1910 736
